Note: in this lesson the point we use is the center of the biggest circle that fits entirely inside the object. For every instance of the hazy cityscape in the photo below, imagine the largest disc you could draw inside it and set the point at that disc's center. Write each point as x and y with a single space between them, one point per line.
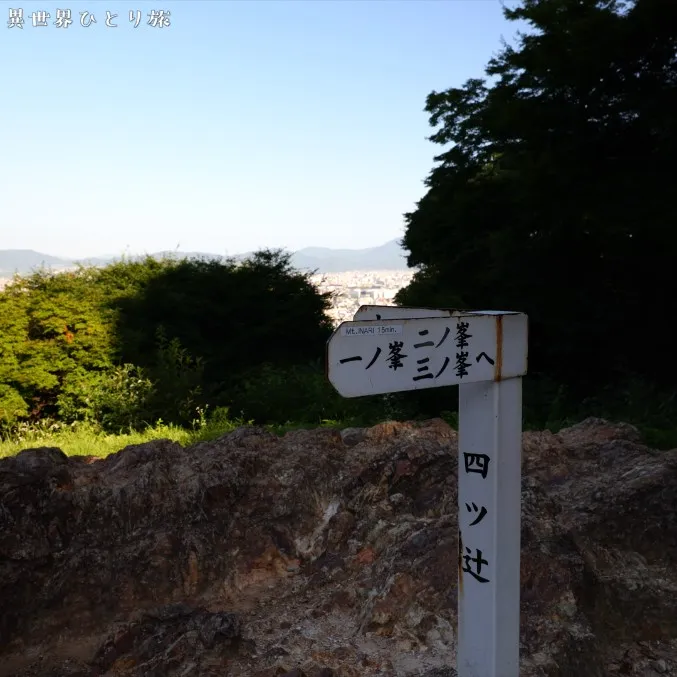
357 288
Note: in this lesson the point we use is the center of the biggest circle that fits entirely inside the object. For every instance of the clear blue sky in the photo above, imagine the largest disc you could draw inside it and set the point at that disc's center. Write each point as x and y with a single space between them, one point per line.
244 124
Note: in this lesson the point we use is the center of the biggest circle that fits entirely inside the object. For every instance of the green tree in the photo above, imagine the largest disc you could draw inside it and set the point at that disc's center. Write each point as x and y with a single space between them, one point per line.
228 318
553 194
13 310
56 333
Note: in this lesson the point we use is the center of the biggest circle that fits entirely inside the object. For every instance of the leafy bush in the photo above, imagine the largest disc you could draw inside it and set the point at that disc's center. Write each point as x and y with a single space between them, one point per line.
301 394
116 400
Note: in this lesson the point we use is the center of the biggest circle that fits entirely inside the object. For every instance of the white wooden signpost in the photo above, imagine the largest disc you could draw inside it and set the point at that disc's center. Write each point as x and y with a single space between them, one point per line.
394 349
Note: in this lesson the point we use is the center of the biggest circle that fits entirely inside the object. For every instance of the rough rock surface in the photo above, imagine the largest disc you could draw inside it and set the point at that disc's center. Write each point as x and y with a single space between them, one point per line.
322 554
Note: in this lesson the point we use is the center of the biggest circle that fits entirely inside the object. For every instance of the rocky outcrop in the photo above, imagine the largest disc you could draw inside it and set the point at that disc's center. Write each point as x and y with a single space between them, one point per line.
322 554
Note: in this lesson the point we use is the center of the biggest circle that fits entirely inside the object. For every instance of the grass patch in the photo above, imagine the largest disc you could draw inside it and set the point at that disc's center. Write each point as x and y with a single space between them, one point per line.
87 440
82 439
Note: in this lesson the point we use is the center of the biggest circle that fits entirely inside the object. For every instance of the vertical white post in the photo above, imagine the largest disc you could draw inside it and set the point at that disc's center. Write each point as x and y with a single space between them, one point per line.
489 505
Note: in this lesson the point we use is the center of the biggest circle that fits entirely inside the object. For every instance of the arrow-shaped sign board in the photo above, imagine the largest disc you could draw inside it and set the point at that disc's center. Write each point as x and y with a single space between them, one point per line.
373 357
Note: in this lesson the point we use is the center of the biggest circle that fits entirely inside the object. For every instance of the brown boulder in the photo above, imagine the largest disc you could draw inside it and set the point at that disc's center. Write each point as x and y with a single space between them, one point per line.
327 554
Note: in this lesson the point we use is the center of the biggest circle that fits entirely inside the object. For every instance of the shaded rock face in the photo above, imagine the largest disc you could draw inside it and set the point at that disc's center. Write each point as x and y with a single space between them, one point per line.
320 554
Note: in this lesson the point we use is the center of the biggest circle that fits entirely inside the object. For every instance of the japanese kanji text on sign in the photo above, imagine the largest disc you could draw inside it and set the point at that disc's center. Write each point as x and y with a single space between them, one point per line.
364 358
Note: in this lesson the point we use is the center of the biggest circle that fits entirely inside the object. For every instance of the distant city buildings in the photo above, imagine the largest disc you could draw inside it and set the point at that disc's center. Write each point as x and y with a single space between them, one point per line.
360 288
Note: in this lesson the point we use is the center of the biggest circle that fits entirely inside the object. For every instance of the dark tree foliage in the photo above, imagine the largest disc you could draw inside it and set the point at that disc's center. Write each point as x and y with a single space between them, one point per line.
555 193
232 316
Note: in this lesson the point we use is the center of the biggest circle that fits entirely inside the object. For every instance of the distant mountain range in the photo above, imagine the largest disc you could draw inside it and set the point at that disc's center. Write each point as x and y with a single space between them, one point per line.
389 256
